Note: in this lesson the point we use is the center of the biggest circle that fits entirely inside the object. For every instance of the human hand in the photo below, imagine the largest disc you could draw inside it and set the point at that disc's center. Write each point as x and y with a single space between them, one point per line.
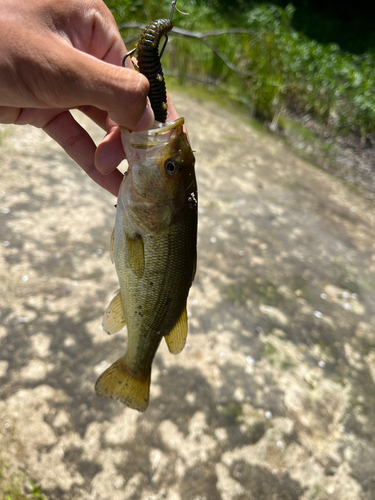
58 56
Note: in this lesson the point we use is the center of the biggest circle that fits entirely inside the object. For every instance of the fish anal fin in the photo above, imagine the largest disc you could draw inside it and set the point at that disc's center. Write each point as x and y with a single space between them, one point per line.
114 317
136 254
118 382
112 246
176 338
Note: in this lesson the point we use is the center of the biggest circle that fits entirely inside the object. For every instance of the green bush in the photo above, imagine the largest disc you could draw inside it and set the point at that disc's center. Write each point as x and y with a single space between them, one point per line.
276 68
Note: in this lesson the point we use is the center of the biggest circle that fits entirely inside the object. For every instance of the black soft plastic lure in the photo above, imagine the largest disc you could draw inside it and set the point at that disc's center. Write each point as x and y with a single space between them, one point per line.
149 62
149 65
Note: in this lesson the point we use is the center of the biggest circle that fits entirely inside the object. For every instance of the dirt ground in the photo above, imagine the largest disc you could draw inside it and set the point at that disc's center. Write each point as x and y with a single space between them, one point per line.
273 397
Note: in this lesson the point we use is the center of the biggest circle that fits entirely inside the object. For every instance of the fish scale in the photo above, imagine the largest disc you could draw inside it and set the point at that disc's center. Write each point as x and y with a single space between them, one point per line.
166 285
154 250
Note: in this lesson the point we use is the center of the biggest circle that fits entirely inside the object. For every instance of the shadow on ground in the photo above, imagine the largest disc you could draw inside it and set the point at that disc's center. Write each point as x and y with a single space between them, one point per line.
273 396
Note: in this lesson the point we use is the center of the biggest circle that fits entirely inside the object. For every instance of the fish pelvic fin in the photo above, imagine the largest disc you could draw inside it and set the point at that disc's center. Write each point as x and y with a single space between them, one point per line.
114 317
118 382
176 338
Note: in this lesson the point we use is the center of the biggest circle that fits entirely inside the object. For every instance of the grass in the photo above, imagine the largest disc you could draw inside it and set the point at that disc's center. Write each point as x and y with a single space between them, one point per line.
269 349
230 412
13 492
14 483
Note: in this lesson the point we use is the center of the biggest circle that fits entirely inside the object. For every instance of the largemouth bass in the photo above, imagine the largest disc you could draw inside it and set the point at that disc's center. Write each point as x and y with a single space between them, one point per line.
154 250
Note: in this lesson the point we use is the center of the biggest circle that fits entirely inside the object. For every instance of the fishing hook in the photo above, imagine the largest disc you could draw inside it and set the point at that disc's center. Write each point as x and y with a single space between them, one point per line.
131 52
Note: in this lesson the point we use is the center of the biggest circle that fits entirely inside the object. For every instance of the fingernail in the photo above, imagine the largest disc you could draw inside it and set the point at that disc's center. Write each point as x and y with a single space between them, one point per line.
147 120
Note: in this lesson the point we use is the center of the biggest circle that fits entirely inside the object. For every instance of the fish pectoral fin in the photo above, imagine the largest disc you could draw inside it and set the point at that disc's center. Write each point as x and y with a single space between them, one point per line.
112 246
118 382
114 317
176 338
136 254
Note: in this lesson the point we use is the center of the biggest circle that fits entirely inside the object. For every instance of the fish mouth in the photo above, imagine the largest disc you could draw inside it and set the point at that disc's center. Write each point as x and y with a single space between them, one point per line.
160 134
167 127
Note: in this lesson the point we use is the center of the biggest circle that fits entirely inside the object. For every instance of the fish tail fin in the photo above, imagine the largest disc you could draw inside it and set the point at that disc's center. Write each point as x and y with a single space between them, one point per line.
118 382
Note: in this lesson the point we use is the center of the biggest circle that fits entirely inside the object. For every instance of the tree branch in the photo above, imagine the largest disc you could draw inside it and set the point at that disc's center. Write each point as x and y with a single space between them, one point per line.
201 37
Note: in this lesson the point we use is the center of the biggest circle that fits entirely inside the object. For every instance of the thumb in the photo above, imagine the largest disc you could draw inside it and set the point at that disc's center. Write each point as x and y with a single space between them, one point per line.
119 91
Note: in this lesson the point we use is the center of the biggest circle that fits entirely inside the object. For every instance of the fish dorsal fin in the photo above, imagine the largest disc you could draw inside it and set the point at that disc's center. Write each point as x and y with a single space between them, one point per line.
118 382
176 338
112 246
136 254
114 317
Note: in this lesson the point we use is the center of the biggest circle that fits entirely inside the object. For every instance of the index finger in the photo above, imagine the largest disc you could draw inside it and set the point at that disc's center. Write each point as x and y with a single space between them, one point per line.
64 129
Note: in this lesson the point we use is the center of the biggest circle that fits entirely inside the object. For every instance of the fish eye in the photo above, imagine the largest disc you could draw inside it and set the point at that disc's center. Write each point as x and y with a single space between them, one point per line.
171 166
